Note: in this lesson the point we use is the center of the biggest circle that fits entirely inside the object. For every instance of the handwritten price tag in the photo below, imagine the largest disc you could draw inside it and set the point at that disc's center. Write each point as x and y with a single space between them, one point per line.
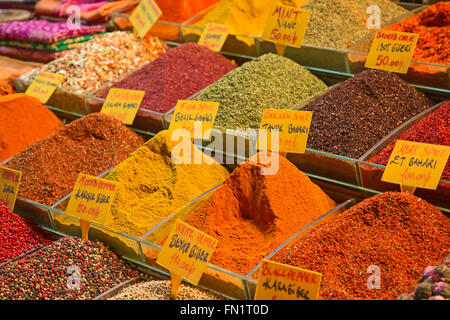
123 104
286 26
277 281
144 16
9 186
186 252
91 198
44 85
416 164
292 127
214 36
392 51
195 116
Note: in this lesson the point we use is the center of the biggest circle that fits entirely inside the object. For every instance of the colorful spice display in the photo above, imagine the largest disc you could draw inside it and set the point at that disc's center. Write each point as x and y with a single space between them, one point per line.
12 68
17 235
161 290
24 120
103 59
434 129
52 272
352 117
152 186
91 145
433 26
251 213
338 24
397 232
269 81
435 284
176 75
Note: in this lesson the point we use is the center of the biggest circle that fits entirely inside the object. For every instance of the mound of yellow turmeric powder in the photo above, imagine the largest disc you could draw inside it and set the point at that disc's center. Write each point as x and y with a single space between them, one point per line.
152 186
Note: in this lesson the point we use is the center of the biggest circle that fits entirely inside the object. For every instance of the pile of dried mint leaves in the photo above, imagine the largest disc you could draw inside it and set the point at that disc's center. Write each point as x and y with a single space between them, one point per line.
269 81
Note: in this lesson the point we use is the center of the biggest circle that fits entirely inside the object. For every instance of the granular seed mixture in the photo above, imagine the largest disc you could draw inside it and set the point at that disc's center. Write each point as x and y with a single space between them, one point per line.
269 81
91 145
17 235
161 290
397 232
176 75
352 117
51 272
103 59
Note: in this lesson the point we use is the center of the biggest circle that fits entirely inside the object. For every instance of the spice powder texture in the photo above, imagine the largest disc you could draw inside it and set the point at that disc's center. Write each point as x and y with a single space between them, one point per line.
90 145
24 120
269 81
152 185
397 232
251 214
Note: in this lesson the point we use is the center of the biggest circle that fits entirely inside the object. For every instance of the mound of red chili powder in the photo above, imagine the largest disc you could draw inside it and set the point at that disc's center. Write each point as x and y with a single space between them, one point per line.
91 145
396 232
17 234
176 75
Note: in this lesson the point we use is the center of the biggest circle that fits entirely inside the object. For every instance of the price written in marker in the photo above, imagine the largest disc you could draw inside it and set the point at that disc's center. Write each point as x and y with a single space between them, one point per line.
286 26
277 281
196 117
123 104
392 51
214 36
292 127
91 198
186 252
9 186
144 17
44 85
414 164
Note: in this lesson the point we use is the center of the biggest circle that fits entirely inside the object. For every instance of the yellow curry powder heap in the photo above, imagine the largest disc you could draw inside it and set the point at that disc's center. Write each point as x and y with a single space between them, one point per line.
245 17
152 186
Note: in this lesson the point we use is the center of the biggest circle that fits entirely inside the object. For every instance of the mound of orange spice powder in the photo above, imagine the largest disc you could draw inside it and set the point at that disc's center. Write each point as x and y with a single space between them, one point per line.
251 214
397 232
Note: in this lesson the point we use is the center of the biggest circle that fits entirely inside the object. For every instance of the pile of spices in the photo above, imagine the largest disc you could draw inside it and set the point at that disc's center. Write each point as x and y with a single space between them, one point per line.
13 68
244 17
103 59
176 75
91 145
24 120
435 284
161 290
152 185
352 117
179 11
67 269
269 81
433 27
395 232
434 129
251 213
338 24
17 235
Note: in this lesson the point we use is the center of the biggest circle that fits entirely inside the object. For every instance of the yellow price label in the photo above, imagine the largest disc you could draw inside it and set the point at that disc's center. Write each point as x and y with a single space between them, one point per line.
44 85
91 198
123 104
277 281
214 36
186 252
291 126
9 186
415 164
286 25
392 51
196 117
144 16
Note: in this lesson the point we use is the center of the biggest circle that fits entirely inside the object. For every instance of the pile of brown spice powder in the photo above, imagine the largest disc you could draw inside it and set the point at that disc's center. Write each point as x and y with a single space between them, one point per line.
91 145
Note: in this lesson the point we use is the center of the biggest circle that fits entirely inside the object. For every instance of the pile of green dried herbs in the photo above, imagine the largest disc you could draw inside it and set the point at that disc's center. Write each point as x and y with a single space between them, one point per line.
338 24
269 81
